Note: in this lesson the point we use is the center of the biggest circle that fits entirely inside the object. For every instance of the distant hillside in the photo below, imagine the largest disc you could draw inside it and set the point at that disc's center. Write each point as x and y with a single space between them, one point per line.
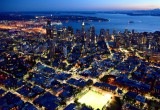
155 12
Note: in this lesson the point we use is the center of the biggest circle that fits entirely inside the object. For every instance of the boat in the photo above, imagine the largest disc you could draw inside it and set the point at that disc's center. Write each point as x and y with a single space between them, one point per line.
57 23
130 21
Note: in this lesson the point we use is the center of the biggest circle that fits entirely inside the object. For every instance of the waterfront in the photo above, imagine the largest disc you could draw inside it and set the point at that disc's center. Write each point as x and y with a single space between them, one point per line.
120 22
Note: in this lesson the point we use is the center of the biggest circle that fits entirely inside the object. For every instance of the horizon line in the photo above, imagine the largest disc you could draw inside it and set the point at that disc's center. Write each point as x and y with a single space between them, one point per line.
82 10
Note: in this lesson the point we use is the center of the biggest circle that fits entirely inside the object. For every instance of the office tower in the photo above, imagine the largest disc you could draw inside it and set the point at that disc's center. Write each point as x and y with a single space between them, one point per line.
54 32
107 35
133 31
107 32
65 53
70 31
49 29
83 27
143 40
126 31
102 34
60 33
87 38
114 32
92 33
52 49
78 33
84 38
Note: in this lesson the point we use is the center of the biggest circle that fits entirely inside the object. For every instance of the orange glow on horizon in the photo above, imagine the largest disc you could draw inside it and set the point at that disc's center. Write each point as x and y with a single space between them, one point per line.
127 7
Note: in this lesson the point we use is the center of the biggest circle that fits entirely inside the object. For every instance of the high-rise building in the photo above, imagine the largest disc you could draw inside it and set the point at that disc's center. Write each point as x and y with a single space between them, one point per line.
52 49
49 29
65 51
133 31
83 27
92 33
70 31
48 22
102 33
107 35
59 33
126 31
54 32
78 32
62 32
143 40
114 32
107 32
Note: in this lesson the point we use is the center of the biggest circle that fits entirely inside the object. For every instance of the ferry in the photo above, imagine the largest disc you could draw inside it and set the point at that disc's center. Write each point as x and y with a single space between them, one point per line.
130 21
57 23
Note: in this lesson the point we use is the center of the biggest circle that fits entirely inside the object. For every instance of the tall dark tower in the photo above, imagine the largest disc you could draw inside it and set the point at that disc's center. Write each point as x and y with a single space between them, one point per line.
54 32
107 32
92 33
48 29
83 27
70 30
133 31
102 33
52 49
48 22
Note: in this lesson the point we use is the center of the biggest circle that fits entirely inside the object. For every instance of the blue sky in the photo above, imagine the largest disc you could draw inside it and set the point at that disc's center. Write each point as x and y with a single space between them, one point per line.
76 5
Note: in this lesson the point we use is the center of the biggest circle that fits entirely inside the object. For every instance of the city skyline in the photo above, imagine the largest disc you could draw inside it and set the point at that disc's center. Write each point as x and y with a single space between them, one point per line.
73 5
79 55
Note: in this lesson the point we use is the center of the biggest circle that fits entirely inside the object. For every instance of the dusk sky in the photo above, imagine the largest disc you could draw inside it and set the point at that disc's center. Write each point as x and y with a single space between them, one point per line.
77 5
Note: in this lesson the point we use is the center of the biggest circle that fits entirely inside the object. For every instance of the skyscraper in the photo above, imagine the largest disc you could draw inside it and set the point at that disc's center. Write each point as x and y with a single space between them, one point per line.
49 29
70 31
83 27
65 51
52 48
107 32
54 32
92 33
102 34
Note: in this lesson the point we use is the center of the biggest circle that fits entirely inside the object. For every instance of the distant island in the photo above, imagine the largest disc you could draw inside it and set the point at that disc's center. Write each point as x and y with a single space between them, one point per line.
77 18
63 16
24 16
154 12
